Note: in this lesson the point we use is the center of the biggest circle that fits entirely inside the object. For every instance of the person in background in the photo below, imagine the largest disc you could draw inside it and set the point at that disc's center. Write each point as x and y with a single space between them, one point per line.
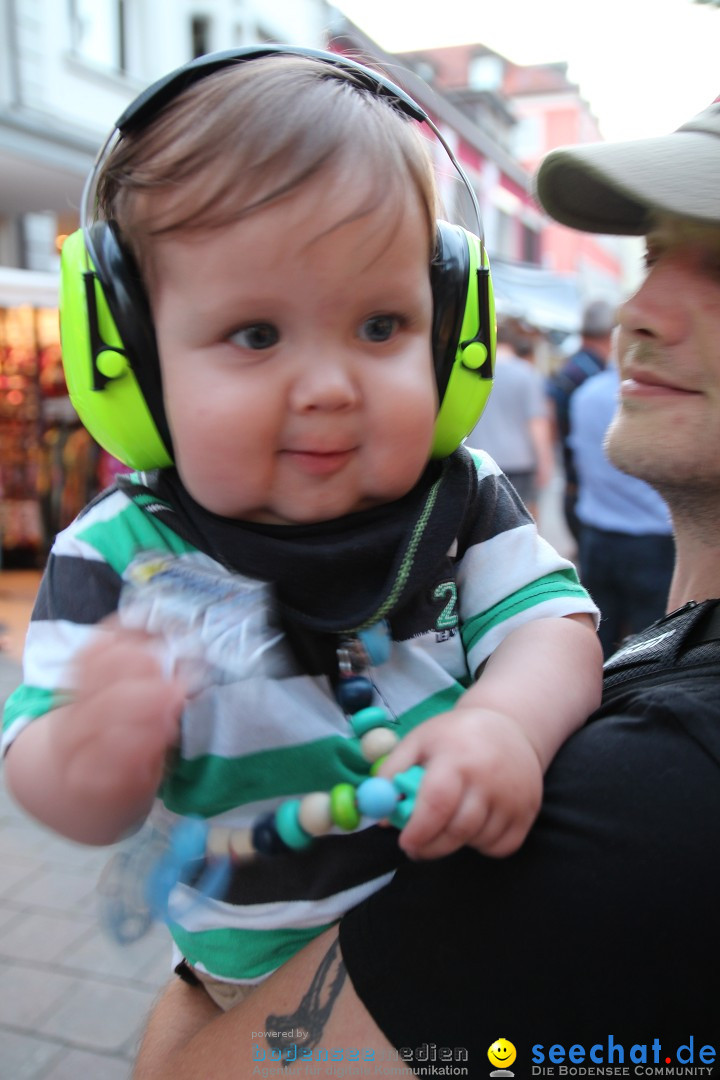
626 549
599 319
515 427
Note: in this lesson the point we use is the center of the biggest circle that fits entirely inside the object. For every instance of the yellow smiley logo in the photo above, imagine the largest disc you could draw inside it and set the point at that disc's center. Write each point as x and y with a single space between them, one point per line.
502 1053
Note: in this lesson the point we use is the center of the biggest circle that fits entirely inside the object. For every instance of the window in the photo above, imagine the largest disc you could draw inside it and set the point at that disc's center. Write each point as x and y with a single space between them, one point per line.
530 245
527 137
485 72
200 35
98 32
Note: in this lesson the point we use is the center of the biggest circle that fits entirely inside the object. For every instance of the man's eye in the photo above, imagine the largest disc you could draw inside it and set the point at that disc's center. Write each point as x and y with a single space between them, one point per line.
379 327
258 336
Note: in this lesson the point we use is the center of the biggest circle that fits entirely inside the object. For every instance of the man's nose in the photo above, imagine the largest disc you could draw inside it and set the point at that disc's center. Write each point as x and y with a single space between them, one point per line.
656 311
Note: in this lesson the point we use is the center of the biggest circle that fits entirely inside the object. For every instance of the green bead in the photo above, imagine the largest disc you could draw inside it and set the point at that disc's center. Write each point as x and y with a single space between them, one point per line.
375 767
343 808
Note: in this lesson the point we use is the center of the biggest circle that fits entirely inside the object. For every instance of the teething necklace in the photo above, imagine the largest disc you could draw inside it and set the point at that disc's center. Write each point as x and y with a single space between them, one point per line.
297 822
138 886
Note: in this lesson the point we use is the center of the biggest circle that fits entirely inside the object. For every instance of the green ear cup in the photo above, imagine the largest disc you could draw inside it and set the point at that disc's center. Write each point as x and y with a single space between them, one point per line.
102 386
470 381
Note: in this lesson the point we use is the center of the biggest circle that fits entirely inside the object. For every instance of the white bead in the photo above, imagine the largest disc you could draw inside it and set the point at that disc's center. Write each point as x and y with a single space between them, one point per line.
217 841
378 742
314 813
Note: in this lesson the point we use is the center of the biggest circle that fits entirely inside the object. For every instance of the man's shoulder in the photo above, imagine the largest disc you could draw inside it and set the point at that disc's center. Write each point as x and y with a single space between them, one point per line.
581 365
602 386
681 650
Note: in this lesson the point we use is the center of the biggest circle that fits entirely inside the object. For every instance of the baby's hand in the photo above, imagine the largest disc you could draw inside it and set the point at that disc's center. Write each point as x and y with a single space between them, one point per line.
482 786
123 718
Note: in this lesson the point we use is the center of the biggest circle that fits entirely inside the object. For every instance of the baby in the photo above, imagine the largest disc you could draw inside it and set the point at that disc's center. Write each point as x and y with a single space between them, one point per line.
268 244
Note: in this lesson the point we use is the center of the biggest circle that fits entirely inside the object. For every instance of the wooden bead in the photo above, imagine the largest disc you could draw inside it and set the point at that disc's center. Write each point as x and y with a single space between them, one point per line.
240 844
377 743
218 841
314 814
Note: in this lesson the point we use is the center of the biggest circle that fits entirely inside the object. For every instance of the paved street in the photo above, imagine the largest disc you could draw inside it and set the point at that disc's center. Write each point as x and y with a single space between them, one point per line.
73 1002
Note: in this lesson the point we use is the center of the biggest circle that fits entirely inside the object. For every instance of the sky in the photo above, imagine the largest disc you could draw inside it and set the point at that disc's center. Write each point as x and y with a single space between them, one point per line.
643 66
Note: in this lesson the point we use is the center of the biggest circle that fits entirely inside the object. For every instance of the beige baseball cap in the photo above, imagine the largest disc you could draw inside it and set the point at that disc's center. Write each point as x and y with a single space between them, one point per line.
615 188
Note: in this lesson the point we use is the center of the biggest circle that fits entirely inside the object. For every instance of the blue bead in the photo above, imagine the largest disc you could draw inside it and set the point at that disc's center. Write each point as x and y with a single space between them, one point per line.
376 797
354 693
188 840
265 837
377 642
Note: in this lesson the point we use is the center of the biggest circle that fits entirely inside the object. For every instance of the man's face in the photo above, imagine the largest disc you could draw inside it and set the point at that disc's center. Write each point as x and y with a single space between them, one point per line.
667 429
295 348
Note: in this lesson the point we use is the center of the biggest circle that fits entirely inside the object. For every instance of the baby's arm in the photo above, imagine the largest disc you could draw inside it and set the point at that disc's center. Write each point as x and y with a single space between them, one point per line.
91 768
486 758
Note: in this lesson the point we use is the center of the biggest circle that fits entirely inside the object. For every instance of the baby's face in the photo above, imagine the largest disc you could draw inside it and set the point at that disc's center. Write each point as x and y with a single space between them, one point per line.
295 348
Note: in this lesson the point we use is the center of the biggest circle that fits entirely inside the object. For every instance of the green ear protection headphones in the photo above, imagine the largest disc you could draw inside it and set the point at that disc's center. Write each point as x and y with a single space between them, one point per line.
108 340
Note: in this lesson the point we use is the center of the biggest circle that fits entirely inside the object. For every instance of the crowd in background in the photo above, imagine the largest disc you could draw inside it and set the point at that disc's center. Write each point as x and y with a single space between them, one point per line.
547 420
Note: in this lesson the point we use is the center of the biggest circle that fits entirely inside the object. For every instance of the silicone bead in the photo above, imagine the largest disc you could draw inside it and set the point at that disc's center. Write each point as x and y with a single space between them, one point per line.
376 797
376 642
353 693
314 814
406 784
188 840
288 826
342 807
265 837
378 743
367 719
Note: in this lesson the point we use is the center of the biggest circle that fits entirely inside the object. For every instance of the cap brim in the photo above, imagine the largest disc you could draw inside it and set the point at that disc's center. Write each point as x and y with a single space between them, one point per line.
617 188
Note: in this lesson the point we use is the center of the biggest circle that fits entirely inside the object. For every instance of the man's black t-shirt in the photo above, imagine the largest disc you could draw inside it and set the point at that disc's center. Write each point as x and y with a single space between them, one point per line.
603 932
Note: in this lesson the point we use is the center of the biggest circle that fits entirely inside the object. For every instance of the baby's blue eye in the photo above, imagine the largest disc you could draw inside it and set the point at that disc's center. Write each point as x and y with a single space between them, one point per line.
257 336
379 327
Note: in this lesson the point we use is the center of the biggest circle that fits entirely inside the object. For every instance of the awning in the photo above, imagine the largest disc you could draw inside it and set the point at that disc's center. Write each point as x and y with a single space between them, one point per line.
545 300
32 287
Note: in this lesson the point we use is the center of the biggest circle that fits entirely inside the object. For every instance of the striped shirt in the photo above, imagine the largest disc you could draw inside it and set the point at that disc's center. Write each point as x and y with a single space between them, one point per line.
257 734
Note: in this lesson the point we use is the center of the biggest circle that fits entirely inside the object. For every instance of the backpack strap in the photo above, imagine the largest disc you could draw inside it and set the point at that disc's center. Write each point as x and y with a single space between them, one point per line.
685 643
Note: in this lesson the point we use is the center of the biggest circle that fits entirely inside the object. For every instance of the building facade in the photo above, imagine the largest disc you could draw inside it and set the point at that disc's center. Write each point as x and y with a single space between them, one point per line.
68 69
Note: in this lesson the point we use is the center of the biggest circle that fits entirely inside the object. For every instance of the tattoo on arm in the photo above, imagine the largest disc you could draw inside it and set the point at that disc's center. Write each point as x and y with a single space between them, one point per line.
304 1027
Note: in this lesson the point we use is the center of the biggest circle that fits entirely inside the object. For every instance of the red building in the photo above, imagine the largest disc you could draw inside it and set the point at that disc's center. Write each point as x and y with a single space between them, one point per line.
501 118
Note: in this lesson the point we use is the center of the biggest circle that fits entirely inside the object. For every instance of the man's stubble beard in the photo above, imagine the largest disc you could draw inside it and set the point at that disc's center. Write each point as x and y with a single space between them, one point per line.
692 496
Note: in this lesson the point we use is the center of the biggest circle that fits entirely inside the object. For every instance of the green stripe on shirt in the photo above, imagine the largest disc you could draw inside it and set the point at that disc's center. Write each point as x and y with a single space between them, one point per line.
559 584
210 784
30 702
242 954
130 532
